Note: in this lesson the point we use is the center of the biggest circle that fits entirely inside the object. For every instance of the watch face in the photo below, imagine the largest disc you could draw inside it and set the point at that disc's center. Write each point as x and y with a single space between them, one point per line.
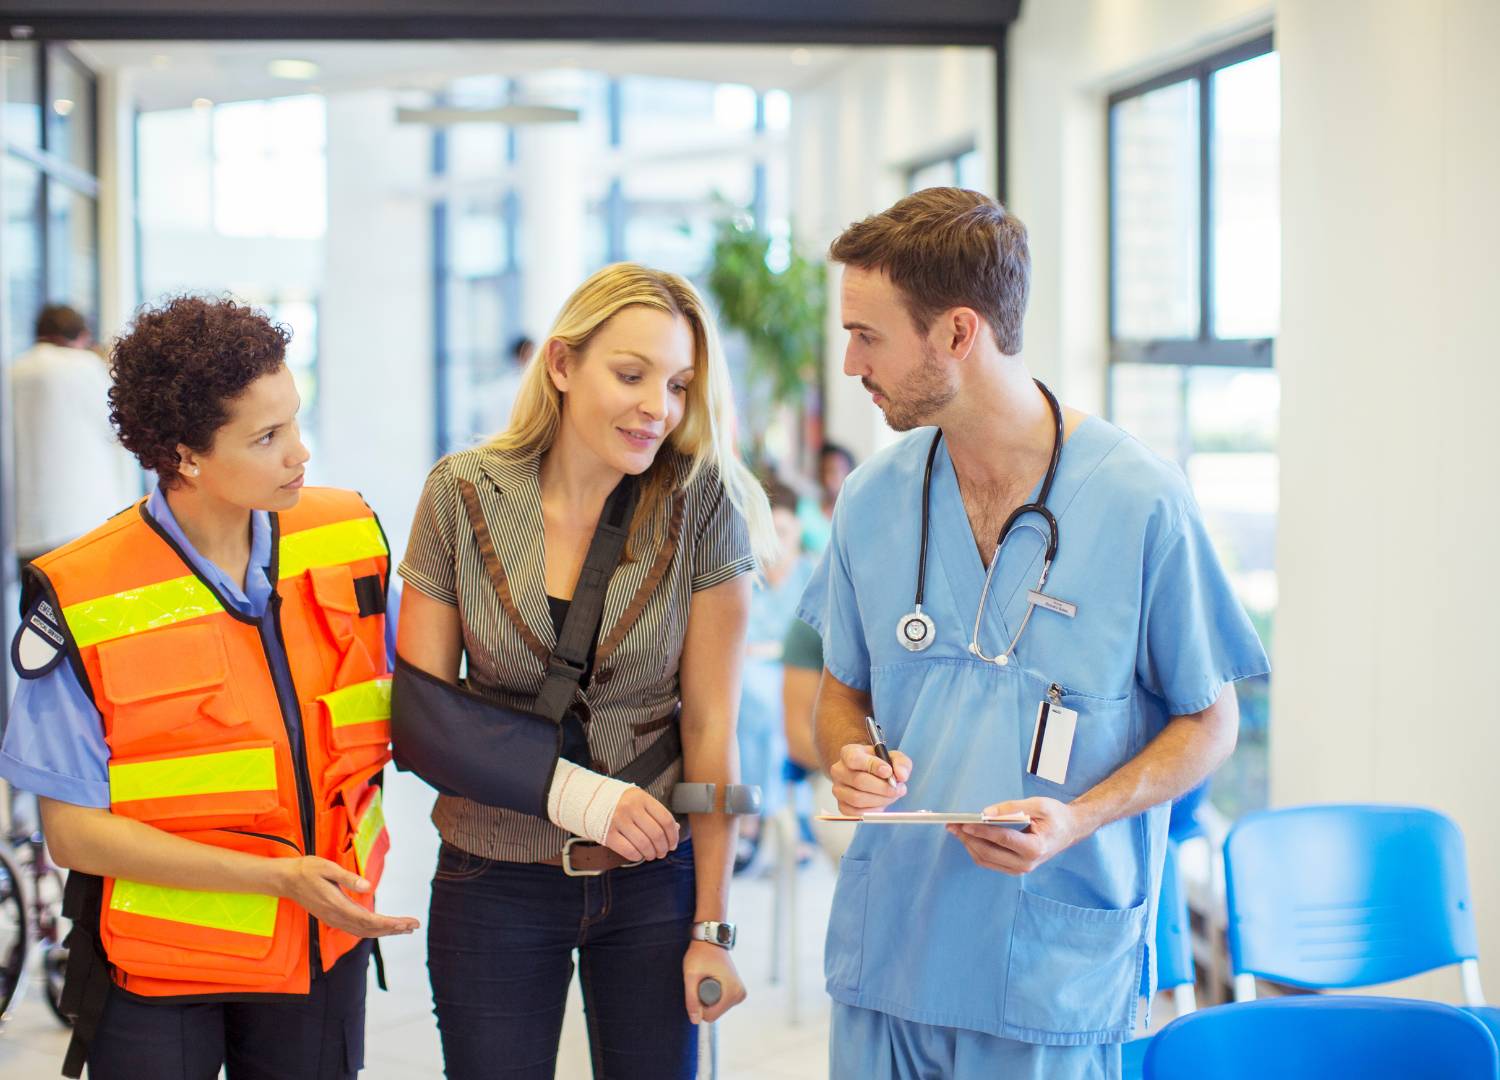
724 934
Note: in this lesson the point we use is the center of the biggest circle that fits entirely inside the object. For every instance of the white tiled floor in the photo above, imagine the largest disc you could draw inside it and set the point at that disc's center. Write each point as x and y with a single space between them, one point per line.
756 1040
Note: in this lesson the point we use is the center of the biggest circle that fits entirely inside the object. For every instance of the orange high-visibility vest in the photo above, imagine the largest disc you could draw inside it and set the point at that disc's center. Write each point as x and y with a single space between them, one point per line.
198 734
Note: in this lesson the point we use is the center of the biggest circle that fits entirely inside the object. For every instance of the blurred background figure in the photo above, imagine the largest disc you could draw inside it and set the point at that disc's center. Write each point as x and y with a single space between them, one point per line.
509 383
835 463
762 745
71 471
802 669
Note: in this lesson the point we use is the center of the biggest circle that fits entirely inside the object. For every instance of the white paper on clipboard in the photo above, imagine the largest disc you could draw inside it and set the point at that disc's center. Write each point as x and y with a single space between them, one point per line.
929 817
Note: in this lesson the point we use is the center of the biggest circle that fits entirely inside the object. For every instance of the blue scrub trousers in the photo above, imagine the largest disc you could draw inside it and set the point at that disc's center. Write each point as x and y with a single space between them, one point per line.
869 1045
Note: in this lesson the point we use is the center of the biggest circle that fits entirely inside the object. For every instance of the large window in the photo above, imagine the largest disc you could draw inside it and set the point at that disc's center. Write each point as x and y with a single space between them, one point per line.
665 160
1195 286
51 246
270 168
233 200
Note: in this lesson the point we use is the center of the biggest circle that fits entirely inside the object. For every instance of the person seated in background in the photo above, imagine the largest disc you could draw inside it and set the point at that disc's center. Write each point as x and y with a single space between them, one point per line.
835 463
771 606
801 671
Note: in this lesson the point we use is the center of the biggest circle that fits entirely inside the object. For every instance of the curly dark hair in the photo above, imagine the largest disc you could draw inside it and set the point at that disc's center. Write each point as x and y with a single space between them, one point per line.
178 369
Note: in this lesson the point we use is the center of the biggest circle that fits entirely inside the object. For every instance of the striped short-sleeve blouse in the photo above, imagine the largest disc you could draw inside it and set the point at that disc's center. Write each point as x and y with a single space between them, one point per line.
696 539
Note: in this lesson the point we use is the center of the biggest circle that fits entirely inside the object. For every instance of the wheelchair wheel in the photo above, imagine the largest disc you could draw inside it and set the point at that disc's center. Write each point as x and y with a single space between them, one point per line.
49 927
14 939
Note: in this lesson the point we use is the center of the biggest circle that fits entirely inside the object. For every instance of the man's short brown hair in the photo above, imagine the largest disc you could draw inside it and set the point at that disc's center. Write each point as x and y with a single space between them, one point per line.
945 248
60 322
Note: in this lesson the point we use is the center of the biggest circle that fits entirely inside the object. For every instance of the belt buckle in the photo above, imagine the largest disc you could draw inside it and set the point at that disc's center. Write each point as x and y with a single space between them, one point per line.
567 858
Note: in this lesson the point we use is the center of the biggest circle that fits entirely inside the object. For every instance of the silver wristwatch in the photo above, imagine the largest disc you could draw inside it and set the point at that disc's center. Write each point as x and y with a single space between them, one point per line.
719 933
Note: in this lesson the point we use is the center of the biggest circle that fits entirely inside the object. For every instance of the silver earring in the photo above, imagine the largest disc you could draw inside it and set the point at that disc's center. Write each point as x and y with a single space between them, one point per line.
192 470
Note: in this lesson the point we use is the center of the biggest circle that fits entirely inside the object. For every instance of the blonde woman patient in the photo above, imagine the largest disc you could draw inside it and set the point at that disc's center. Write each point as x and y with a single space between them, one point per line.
631 381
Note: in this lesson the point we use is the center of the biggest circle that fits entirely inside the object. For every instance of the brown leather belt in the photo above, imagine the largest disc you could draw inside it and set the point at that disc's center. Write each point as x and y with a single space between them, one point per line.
584 858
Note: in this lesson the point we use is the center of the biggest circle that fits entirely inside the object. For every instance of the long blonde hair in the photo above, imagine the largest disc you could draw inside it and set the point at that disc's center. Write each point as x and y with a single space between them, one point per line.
706 434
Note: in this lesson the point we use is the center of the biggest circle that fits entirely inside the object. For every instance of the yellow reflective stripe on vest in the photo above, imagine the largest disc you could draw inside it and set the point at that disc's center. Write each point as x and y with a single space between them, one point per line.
135 610
330 545
362 703
253 769
370 828
242 913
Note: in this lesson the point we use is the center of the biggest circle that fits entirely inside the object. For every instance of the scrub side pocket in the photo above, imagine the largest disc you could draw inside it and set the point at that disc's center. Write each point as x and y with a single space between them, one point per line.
1074 970
844 955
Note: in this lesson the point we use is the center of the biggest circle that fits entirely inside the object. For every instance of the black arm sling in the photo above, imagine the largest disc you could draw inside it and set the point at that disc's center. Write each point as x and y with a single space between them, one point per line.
462 743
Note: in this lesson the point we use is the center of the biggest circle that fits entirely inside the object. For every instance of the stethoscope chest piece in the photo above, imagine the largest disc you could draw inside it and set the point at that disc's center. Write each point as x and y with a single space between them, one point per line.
915 631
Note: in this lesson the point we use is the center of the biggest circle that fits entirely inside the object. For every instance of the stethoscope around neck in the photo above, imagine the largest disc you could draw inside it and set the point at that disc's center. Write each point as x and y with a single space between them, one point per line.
915 630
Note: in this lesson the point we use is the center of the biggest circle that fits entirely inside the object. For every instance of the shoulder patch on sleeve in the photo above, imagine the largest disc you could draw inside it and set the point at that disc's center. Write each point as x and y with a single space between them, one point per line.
41 643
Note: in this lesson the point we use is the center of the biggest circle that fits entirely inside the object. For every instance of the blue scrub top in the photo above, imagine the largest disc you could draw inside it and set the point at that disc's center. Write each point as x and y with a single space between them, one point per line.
54 739
917 930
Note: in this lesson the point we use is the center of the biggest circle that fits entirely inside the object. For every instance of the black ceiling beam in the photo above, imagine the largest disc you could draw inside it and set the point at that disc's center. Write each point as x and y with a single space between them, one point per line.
863 22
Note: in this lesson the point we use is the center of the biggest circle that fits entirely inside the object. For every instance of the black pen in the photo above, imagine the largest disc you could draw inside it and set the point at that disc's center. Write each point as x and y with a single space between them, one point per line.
877 741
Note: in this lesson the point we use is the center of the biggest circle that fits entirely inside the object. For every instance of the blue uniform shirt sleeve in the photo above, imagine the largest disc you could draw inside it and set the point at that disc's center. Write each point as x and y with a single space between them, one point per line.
830 606
54 741
1195 636
392 620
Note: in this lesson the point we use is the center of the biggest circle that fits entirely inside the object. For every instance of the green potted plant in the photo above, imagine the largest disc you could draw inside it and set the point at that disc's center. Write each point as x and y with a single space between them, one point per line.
779 312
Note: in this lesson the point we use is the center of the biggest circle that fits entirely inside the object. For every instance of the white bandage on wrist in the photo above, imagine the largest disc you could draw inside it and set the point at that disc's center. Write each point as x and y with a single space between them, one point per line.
583 801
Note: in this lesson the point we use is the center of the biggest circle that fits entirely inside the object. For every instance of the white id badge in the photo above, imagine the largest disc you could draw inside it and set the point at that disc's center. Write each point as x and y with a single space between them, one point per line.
1052 742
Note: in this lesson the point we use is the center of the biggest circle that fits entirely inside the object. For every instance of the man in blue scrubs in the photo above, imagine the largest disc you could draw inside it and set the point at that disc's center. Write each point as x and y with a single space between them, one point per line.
979 950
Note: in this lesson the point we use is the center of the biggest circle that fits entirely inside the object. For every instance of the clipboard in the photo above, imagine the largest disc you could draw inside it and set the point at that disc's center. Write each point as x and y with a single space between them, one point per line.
929 817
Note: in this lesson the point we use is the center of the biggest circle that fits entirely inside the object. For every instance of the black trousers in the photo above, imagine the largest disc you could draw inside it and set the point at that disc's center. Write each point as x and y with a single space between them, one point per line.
321 1037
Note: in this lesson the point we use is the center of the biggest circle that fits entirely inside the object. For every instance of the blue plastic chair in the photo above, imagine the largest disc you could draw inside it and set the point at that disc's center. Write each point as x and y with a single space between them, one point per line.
1183 823
1339 897
1317 1037
1174 958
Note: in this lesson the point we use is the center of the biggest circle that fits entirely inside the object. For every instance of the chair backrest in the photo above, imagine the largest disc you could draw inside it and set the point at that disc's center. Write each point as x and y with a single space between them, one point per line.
1183 821
1174 940
1346 896
1314 1037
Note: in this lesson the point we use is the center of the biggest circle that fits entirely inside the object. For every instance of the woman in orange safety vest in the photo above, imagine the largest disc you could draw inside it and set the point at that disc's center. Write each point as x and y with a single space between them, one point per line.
204 712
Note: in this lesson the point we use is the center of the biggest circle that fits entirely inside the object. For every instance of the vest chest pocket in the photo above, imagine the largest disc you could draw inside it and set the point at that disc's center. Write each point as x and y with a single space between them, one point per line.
159 682
356 721
343 623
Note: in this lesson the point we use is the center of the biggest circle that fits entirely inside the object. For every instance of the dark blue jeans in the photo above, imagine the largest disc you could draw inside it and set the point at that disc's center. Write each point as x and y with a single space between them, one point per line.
500 942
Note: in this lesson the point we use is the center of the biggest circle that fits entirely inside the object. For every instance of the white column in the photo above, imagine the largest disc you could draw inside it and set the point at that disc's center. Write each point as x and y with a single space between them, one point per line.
549 179
375 366
117 201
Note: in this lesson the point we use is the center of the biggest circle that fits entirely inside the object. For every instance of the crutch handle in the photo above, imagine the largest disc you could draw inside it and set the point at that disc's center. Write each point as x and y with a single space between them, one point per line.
709 991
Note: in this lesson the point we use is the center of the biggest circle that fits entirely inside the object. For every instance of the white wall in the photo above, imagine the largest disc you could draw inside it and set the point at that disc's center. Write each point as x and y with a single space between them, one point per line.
855 135
1386 634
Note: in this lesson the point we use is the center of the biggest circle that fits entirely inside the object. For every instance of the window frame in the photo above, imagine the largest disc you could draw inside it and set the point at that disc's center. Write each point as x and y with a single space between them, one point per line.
949 157
54 168
1205 349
